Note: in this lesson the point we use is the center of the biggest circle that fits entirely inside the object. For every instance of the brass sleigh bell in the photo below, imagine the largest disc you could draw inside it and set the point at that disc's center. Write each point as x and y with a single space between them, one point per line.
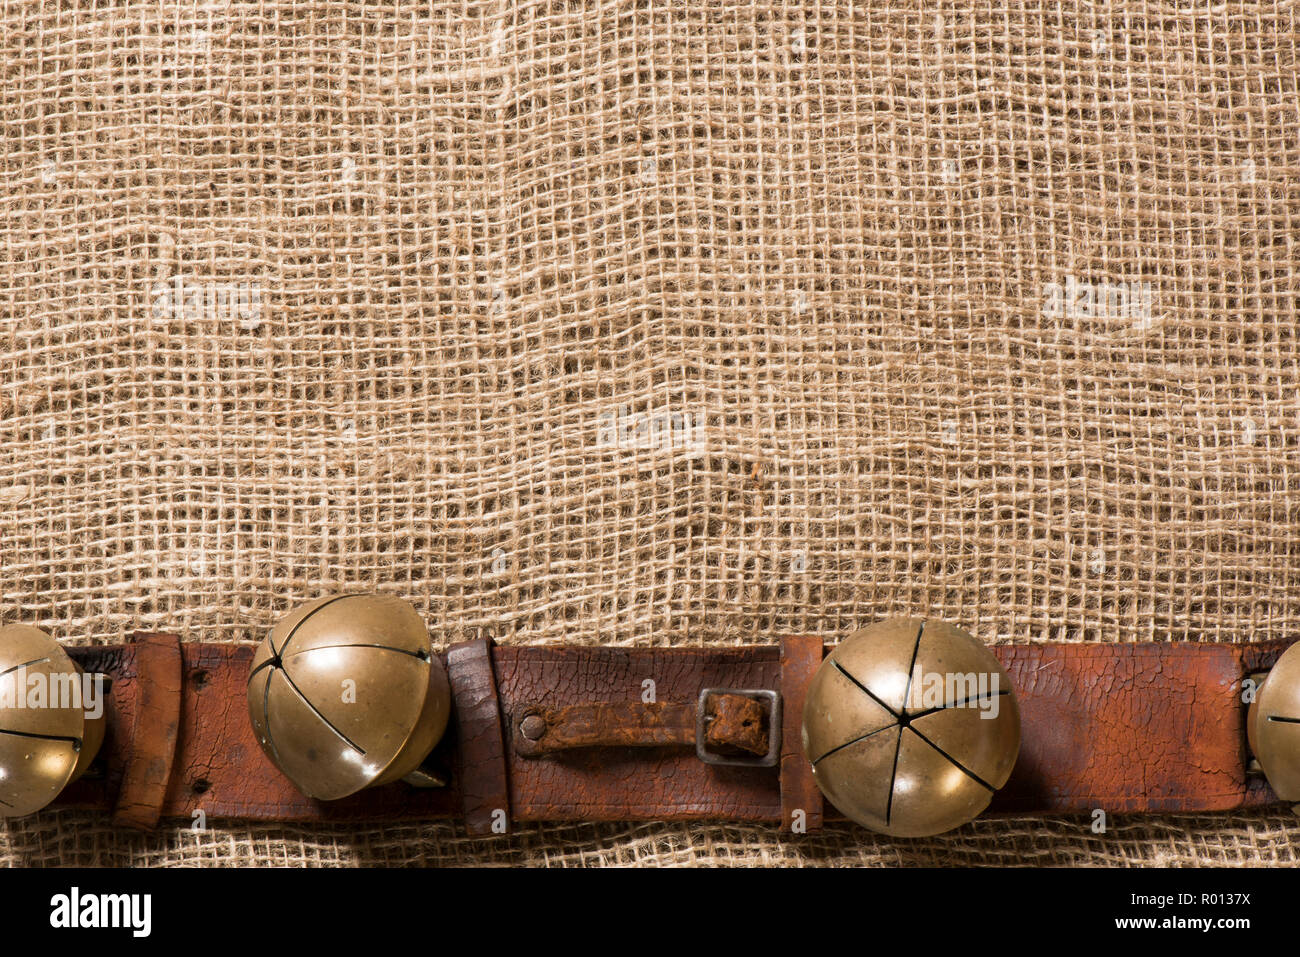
911 726
346 693
51 719
1273 725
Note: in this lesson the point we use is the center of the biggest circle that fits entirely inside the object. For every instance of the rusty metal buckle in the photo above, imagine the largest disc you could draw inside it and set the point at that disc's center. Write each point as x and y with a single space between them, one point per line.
702 717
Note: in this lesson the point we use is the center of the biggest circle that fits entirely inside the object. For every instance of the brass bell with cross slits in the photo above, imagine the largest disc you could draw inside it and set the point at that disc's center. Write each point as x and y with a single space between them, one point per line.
346 693
1273 725
52 719
911 726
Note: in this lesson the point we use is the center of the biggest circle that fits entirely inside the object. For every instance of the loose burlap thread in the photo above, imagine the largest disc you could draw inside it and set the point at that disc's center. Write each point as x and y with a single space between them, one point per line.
652 323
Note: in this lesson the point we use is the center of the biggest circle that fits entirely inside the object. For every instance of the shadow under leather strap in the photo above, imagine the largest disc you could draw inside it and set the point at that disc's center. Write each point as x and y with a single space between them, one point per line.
1127 728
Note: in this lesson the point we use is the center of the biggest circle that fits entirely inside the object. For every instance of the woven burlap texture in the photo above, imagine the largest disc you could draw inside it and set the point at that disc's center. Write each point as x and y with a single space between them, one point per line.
654 323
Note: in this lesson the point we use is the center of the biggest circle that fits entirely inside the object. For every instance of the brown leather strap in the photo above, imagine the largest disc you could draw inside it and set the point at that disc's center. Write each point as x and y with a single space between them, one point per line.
1125 728
485 795
1143 727
801 799
133 774
148 768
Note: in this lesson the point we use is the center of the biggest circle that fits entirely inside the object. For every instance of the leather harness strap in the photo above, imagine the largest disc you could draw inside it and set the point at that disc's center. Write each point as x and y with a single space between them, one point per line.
1125 728
484 792
148 767
801 799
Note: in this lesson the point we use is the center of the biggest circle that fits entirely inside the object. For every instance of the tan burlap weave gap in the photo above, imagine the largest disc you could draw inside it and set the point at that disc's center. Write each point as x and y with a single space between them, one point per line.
653 323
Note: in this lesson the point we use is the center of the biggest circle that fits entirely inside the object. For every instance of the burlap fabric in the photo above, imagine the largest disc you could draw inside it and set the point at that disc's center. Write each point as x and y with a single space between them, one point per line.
653 323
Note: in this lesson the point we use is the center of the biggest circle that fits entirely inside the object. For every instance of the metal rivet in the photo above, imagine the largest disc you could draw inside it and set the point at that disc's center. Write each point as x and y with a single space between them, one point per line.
533 727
